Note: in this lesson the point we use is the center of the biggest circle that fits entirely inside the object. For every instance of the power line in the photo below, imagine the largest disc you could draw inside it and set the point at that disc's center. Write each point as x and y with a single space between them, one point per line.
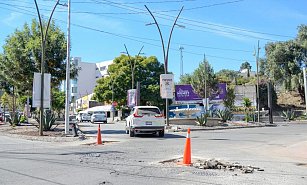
170 17
214 29
123 36
190 45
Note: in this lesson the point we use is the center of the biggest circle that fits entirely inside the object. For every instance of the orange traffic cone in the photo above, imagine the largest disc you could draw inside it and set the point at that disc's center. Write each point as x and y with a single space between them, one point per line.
99 142
187 150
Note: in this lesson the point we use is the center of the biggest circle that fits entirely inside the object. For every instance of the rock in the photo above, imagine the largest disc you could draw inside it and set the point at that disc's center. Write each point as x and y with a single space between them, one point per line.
247 170
197 164
212 164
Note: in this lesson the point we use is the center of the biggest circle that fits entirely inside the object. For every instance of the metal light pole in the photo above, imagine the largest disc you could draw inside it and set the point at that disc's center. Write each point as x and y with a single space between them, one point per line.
43 42
67 95
181 61
132 65
165 53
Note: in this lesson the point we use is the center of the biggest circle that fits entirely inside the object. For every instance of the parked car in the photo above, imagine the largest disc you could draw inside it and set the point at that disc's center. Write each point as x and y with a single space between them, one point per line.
101 117
144 120
81 117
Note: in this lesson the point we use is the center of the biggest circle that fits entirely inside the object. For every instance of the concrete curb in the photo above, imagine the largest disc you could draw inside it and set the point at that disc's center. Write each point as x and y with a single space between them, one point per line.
211 128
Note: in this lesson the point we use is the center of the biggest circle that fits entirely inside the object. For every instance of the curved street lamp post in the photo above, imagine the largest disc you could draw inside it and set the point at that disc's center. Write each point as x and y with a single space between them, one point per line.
43 43
132 65
165 53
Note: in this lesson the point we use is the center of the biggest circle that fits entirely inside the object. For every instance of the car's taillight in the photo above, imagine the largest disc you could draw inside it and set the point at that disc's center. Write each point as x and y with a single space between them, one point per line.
159 115
137 116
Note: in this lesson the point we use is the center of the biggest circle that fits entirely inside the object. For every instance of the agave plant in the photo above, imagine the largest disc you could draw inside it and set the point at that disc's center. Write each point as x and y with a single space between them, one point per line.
49 120
14 119
202 120
224 114
289 114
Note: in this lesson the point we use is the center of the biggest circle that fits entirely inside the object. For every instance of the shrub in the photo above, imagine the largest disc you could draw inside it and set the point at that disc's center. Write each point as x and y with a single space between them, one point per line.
249 117
23 119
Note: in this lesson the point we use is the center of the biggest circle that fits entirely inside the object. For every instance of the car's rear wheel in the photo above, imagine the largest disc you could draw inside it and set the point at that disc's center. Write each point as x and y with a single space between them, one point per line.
161 133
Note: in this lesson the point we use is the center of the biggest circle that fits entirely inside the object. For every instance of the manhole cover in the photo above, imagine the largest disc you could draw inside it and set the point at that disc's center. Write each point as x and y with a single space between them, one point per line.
205 173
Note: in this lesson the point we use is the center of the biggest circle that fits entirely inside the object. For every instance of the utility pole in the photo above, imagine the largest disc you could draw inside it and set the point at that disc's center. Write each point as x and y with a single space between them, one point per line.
270 102
165 53
205 77
67 95
258 97
43 43
181 61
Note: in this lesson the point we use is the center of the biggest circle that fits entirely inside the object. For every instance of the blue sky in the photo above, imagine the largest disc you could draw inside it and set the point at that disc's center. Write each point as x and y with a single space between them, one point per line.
227 31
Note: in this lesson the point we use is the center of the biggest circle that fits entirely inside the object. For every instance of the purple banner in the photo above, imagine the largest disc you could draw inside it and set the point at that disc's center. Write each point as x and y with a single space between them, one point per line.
187 93
222 92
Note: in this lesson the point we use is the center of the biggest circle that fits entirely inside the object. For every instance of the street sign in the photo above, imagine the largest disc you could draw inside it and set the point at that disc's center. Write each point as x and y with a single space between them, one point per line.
167 86
37 90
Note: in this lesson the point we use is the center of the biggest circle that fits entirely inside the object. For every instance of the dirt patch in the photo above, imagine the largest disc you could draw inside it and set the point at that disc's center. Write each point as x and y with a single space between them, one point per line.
30 130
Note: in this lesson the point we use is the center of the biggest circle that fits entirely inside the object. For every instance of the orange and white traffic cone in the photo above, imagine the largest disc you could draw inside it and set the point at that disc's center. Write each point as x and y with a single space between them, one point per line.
187 150
99 142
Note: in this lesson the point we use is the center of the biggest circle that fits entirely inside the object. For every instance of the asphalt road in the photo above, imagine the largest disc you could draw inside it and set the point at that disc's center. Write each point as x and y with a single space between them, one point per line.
281 151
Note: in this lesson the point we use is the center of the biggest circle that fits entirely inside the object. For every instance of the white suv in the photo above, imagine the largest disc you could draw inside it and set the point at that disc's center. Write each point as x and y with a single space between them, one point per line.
144 120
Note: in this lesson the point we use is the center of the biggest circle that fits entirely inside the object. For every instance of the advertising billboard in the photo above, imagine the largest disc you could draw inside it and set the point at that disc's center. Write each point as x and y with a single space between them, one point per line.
187 93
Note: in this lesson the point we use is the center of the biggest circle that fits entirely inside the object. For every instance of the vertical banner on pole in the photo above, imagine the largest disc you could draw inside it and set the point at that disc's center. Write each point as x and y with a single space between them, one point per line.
167 86
132 97
36 90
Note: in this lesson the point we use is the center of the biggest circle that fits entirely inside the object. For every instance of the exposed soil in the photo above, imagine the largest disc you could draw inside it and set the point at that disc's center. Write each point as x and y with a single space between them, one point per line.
30 130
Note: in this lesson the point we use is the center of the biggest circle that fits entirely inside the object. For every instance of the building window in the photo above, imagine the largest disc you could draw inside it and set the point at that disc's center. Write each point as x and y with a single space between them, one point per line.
74 90
102 68
74 81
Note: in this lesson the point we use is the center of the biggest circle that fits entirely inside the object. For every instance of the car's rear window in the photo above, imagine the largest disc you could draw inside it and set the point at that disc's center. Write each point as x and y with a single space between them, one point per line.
148 111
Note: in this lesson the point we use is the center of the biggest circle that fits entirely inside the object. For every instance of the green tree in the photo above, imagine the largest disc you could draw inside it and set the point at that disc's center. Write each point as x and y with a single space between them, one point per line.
58 100
246 65
6 100
284 61
22 57
147 72
185 79
229 100
204 73
227 76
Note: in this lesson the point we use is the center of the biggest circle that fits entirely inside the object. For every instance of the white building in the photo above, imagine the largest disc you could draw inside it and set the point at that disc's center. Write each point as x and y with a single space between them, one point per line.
83 85
88 74
244 73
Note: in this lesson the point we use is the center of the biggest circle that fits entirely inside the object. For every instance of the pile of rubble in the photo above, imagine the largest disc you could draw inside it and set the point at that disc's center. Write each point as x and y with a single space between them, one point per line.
222 165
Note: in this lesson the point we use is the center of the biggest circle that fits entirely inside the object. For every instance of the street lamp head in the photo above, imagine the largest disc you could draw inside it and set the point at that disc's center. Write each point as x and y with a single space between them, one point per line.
65 4
180 26
148 24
